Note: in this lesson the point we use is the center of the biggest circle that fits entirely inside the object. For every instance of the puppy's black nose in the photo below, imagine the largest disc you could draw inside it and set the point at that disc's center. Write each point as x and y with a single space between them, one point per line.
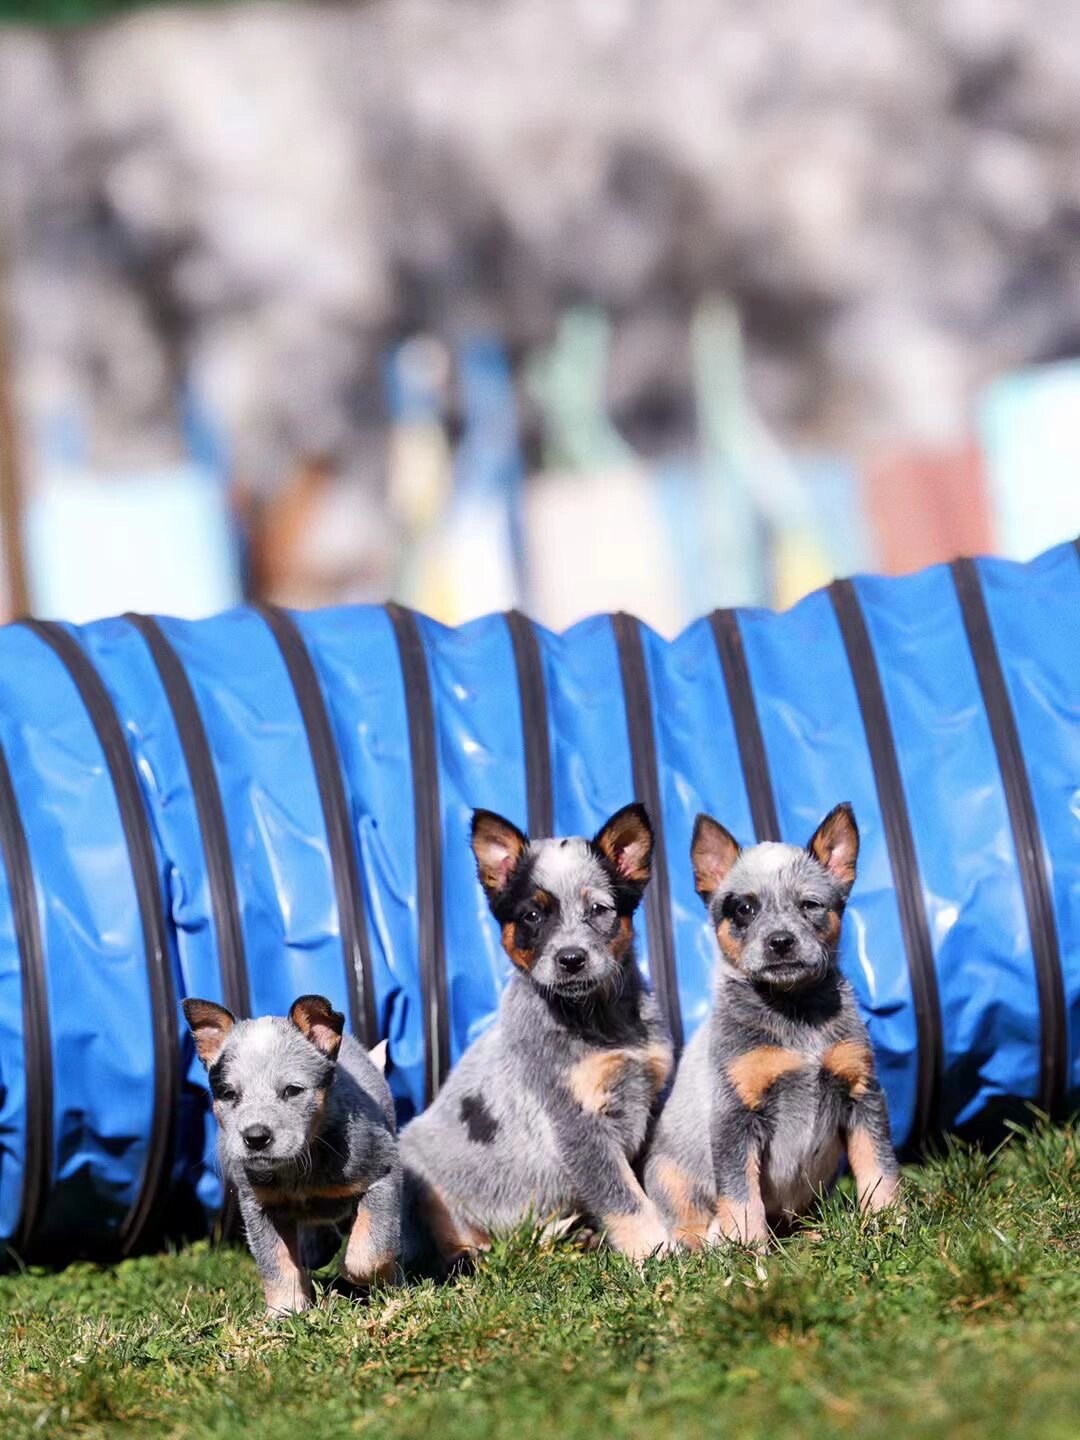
571 960
257 1137
780 942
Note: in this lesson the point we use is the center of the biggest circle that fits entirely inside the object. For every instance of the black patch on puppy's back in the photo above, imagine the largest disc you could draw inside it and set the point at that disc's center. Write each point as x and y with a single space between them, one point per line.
478 1119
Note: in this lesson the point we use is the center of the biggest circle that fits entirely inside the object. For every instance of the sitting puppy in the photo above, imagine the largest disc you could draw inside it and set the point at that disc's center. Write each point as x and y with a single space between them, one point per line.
544 1115
781 1077
306 1134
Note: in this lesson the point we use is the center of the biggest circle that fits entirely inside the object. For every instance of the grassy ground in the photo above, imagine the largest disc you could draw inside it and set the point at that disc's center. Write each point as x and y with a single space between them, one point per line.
959 1318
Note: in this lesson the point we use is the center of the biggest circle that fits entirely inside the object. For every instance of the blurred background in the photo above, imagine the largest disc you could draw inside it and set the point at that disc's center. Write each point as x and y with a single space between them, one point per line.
566 304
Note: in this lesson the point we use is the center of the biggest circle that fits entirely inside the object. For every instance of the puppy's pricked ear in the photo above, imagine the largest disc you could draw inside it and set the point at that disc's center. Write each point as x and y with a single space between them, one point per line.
319 1022
498 846
835 845
377 1056
209 1025
626 840
713 851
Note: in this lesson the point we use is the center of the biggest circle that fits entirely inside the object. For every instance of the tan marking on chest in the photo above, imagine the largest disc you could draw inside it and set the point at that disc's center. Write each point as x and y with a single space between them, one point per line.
753 1074
268 1195
851 1062
594 1079
344 1191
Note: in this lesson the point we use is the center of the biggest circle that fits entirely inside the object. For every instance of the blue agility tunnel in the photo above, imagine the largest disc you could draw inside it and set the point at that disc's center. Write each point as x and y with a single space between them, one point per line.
262 804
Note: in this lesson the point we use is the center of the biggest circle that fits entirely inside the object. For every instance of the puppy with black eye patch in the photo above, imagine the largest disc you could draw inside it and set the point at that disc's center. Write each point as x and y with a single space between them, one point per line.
306 1133
545 1115
781 1078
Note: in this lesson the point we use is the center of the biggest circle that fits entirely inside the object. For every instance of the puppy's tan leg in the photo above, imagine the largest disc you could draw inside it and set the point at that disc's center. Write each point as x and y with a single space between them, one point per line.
365 1260
638 1230
455 1239
375 1239
688 1216
877 1180
286 1284
869 1143
638 1234
740 1210
275 1248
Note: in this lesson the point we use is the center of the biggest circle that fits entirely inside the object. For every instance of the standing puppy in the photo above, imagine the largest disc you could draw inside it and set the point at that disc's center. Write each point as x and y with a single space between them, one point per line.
306 1134
544 1115
781 1078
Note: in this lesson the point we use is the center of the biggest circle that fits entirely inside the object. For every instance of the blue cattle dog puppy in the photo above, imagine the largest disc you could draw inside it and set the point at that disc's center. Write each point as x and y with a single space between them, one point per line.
545 1114
781 1077
306 1133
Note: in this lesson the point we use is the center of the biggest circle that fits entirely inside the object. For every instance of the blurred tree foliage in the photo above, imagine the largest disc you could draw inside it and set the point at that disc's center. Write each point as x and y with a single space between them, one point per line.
71 12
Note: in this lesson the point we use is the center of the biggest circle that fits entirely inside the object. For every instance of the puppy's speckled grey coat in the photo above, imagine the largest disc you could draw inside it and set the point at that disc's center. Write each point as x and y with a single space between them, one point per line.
306 1133
545 1114
781 1077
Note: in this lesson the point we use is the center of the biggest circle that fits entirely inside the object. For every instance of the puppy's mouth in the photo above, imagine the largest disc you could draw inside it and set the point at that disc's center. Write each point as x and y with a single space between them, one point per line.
263 1169
574 989
788 975
259 1175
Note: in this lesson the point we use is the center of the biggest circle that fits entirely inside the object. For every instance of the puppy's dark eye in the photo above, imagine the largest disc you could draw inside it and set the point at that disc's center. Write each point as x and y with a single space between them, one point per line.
745 911
291 1091
811 907
225 1093
531 918
597 911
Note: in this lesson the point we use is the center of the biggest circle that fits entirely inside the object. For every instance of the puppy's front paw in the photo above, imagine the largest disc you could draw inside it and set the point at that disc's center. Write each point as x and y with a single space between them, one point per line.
639 1234
287 1300
366 1259
737 1225
882 1192
365 1271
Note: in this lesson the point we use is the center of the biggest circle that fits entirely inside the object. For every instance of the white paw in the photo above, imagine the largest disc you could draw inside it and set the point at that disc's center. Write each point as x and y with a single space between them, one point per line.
881 1195
279 1305
721 1233
642 1235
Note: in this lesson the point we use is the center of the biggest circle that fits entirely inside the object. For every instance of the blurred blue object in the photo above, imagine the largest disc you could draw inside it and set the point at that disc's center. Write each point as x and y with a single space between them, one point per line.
945 705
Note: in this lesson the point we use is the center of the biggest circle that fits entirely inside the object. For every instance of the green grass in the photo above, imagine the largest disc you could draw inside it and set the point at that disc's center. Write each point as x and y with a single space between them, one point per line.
960 1317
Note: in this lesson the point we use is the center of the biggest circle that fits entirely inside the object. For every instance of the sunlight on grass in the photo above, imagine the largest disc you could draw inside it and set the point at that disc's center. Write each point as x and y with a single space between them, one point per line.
957 1316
